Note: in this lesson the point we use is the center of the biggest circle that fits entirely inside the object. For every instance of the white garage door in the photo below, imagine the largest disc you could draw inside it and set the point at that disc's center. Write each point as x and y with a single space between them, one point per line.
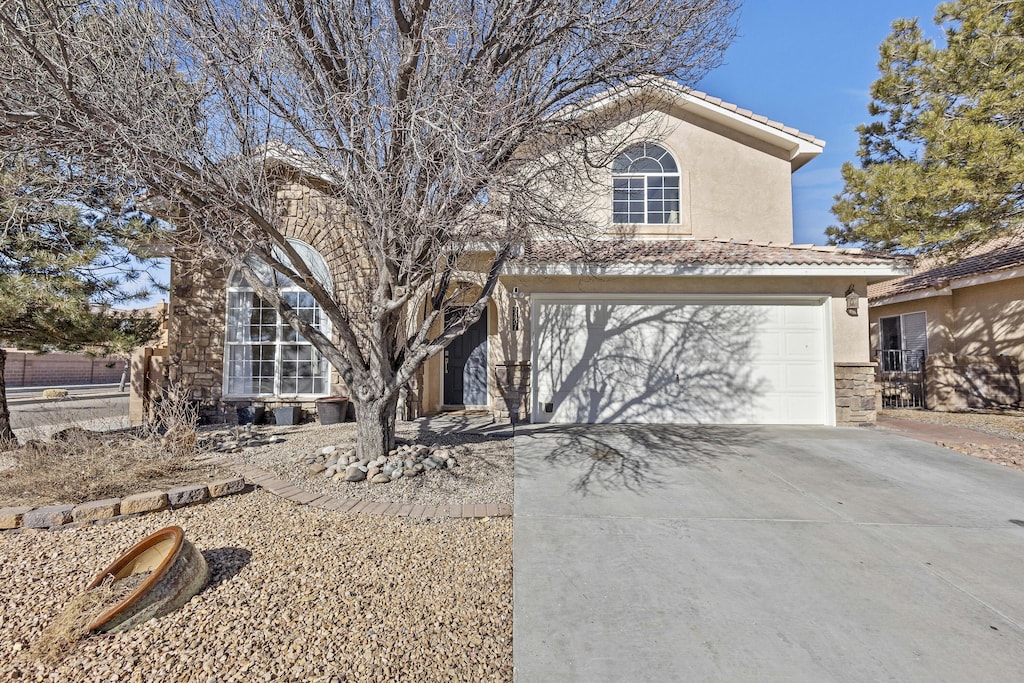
658 360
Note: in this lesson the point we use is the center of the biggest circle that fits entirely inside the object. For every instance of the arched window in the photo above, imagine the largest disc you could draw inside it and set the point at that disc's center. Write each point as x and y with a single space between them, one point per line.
264 356
645 186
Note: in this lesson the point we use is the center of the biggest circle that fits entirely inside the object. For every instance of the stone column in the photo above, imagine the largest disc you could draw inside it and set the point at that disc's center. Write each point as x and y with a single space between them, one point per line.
855 394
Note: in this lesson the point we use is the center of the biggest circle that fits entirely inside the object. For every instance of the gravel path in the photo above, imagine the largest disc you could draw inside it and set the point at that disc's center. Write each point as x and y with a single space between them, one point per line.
483 451
297 594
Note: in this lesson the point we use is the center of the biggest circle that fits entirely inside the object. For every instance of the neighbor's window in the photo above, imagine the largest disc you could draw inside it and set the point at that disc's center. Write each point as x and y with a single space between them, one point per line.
645 186
264 356
903 341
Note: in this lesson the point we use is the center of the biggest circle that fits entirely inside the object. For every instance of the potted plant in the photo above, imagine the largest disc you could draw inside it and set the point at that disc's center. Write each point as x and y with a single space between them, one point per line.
331 410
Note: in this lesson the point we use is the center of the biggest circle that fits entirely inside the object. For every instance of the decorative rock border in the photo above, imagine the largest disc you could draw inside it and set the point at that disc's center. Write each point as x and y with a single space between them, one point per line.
288 491
53 516
102 511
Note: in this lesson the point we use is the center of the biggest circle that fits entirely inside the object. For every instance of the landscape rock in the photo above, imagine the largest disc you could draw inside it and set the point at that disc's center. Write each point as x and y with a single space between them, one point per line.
186 495
380 479
355 473
10 517
97 509
226 487
316 468
150 501
46 517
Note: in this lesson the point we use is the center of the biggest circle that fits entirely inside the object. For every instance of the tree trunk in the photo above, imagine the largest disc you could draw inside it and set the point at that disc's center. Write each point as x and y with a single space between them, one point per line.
375 426
7 437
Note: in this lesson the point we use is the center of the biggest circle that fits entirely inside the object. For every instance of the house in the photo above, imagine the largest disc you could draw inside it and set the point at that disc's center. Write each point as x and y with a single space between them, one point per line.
695 307
964 317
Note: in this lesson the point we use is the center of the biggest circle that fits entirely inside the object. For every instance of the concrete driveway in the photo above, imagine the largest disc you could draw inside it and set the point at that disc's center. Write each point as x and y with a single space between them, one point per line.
763 553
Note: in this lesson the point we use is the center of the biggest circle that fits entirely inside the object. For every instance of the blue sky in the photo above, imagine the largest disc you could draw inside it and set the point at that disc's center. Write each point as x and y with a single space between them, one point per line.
810 65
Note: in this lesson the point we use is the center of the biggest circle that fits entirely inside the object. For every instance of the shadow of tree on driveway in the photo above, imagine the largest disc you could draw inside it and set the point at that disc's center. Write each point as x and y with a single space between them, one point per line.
636 458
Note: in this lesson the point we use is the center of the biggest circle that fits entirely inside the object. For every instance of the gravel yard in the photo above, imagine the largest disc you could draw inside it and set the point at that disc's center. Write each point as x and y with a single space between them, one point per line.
484 453
1004 424
297 594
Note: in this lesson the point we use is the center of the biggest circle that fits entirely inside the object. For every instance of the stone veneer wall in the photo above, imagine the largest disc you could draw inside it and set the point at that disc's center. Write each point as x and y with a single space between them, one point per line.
856 394
954 383
198 301
511 396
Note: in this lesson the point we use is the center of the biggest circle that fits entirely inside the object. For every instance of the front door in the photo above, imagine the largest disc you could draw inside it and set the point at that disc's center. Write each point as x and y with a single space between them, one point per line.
465 365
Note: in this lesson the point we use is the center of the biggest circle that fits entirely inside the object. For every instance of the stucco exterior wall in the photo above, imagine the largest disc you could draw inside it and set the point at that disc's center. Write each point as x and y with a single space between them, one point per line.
988 319
731 185
981 320
938 313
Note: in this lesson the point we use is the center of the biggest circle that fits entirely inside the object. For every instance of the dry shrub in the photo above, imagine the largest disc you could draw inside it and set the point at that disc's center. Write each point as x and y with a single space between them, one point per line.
78 465
176 420
55 393
70 626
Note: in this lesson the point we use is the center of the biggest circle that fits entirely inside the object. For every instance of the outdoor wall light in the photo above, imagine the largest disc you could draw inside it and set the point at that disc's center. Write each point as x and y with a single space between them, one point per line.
852 301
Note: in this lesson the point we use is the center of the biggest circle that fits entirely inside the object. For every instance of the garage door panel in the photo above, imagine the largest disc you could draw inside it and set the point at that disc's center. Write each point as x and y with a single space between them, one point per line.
637 361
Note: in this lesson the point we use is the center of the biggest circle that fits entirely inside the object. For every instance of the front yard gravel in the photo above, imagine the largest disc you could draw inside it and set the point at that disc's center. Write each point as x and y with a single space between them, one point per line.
484 453
296 594
1004 424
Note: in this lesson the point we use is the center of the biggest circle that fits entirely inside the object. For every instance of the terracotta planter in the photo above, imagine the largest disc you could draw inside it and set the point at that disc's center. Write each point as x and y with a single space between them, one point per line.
179 571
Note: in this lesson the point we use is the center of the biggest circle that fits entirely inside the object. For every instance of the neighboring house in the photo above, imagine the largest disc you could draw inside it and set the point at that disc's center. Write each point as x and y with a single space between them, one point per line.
695 308
965 316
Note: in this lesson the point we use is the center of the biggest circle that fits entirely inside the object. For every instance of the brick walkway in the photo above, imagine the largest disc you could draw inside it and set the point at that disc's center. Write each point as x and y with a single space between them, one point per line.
288 491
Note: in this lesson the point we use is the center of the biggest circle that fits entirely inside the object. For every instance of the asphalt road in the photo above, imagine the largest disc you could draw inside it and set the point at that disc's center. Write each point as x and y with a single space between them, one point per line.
89 406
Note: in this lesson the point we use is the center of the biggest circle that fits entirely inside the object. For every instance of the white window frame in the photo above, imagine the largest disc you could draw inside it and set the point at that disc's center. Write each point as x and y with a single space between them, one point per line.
236 285
644 178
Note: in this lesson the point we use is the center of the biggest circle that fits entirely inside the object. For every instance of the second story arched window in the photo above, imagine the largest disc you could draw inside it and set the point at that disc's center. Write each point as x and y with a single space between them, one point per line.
645 186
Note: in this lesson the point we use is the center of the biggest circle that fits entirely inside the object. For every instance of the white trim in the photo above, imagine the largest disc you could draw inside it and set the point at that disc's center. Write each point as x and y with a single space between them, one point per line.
911 296
799 149
830 363
639 297
823 301
882 271
986 278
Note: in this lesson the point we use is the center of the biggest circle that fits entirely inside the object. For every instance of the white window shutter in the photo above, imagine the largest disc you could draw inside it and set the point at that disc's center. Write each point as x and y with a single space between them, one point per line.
915 332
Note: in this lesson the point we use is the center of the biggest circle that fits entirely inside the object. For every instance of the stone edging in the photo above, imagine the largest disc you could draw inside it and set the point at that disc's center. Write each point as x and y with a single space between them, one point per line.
102 511
288 491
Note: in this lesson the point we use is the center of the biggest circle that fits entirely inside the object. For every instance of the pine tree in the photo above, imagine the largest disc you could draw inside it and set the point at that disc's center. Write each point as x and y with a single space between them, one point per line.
942 163
62 265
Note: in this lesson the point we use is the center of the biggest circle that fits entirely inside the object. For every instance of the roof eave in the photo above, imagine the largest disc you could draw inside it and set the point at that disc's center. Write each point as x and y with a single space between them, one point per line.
873 272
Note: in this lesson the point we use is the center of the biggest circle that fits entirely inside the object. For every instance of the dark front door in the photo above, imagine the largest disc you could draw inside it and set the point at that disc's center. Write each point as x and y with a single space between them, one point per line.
465 366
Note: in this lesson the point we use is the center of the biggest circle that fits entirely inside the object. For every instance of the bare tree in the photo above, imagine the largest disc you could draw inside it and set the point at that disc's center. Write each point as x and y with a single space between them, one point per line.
432 130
